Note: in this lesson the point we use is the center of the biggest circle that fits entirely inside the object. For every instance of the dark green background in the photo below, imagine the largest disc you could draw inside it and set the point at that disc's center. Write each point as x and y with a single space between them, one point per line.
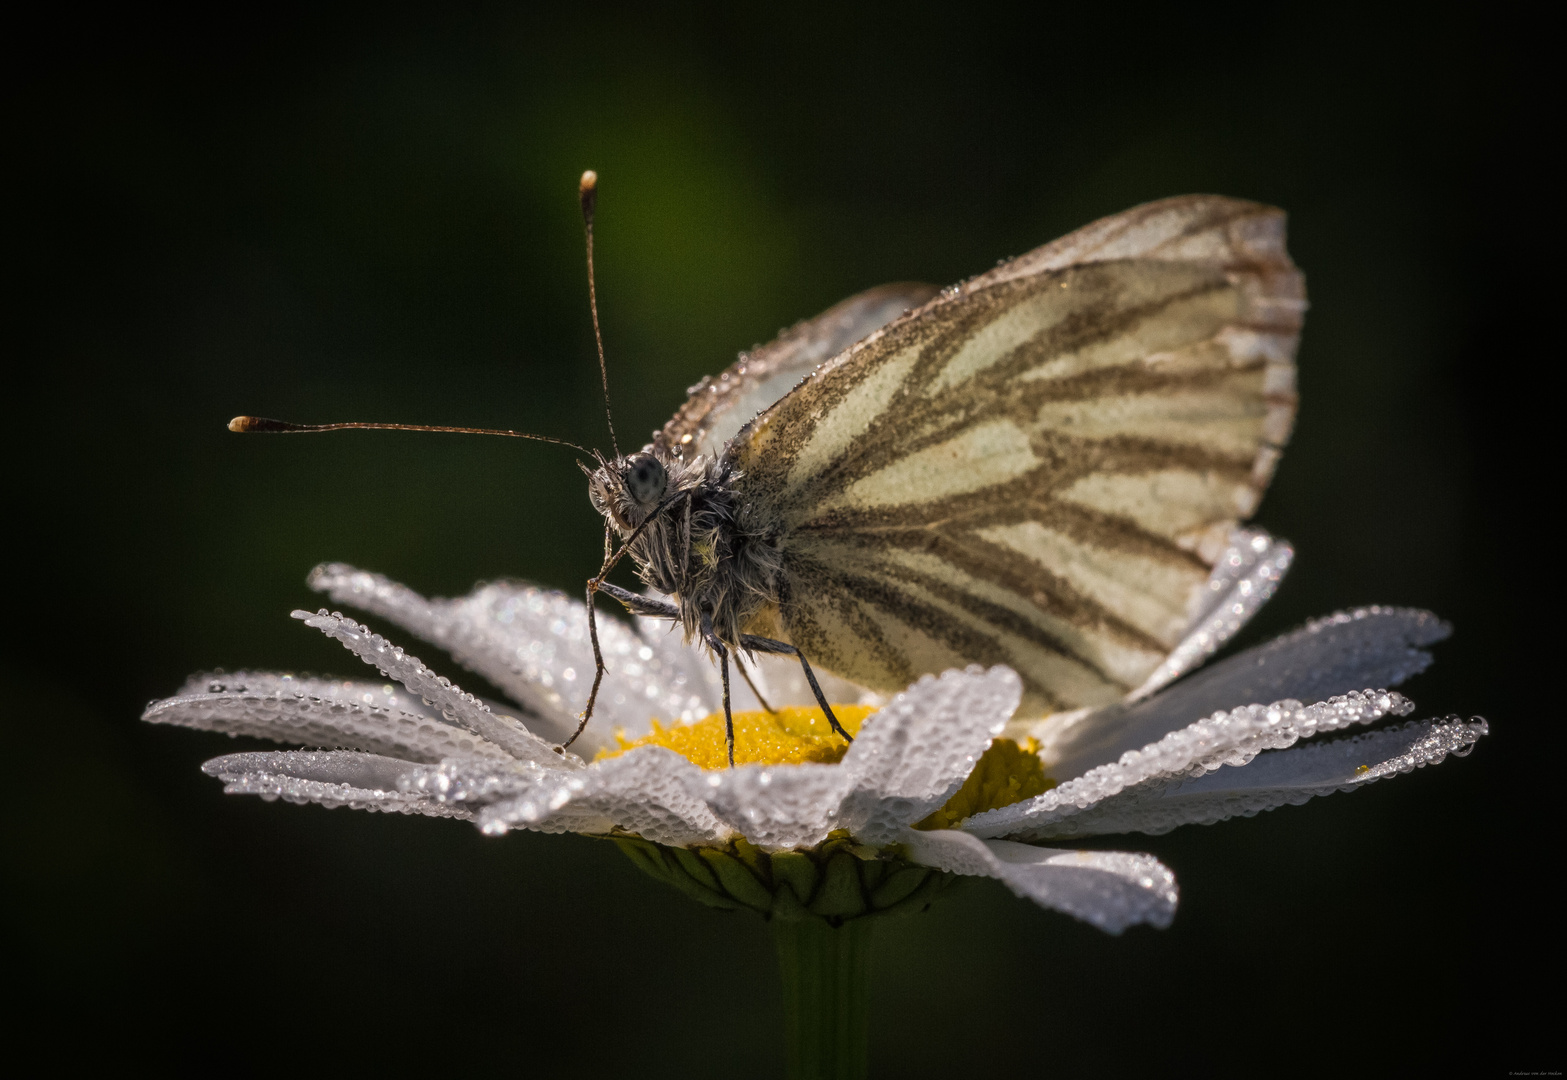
364 215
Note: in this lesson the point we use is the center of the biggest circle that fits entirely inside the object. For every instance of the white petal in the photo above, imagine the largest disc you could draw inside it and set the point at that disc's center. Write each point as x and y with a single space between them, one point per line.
328 778
776 807
1375 646
645 791
476 783
533 643
1231 738
1287 777
375 717
1109 889
446 697
1244 578
908 760
914 754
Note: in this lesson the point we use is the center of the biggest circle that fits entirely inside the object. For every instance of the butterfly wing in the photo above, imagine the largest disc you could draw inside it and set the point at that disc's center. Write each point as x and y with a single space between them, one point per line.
720 406
1040 466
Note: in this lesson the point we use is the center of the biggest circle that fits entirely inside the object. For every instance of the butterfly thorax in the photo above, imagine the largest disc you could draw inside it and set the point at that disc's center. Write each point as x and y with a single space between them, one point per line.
707 550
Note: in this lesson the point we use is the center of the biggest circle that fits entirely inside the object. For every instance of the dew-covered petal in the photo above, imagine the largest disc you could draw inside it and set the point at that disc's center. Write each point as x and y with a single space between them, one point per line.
475 784
776 807
533 643
1369 646
1245 577
457 707
909 759
645 791
914 754
1280 778
1108 889
1373 646
1225 738
379 718
328 778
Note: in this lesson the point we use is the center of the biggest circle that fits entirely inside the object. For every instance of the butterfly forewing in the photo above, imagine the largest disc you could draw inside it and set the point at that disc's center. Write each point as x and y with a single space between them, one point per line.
1039 467
719 406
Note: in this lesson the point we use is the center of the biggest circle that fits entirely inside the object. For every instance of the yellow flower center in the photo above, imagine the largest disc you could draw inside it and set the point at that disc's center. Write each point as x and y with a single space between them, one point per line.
787 737
1006 773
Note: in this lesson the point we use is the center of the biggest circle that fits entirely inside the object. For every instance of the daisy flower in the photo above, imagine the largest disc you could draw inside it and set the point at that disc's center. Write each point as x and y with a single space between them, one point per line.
940 781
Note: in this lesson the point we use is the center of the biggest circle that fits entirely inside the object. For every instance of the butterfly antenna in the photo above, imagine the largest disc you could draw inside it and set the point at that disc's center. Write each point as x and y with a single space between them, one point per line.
249 424
587 191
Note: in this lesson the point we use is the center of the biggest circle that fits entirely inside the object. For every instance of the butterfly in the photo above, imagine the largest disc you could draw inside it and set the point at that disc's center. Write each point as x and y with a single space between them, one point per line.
1038 467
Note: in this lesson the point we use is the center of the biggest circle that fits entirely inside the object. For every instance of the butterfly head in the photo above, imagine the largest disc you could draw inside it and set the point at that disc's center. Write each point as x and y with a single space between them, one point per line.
627 489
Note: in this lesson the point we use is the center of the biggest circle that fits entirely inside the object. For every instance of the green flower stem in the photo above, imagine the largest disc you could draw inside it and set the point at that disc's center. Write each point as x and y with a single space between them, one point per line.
826 991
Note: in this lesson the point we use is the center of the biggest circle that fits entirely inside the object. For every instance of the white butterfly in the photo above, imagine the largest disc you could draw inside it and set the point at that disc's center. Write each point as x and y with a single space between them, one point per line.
1039 467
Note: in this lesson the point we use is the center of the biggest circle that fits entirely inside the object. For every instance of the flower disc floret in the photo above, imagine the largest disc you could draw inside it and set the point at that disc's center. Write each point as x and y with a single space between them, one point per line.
787 736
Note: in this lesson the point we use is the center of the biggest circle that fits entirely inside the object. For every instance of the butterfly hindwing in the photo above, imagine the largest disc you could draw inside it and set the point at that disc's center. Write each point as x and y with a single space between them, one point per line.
1039 467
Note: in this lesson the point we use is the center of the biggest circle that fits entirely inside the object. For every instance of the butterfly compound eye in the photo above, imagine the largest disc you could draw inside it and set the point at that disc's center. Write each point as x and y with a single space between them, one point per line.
645 479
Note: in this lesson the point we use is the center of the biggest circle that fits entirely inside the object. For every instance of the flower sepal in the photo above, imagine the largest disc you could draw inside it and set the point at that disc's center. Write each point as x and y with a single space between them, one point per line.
833 882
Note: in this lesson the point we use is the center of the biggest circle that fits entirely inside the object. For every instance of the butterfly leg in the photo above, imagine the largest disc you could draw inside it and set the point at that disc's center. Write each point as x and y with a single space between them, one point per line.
598 670
637 605
746 675
598 584
768 645
723 670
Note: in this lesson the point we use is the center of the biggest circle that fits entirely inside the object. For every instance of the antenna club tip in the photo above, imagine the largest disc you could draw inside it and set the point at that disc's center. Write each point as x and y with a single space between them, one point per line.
245 424
589 181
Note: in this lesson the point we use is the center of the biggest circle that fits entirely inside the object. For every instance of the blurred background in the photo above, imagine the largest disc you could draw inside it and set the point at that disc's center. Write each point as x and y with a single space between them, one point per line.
361 215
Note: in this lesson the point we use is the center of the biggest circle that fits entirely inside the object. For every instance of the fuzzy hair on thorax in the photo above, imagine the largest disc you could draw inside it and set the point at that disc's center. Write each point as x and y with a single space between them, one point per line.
707 552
